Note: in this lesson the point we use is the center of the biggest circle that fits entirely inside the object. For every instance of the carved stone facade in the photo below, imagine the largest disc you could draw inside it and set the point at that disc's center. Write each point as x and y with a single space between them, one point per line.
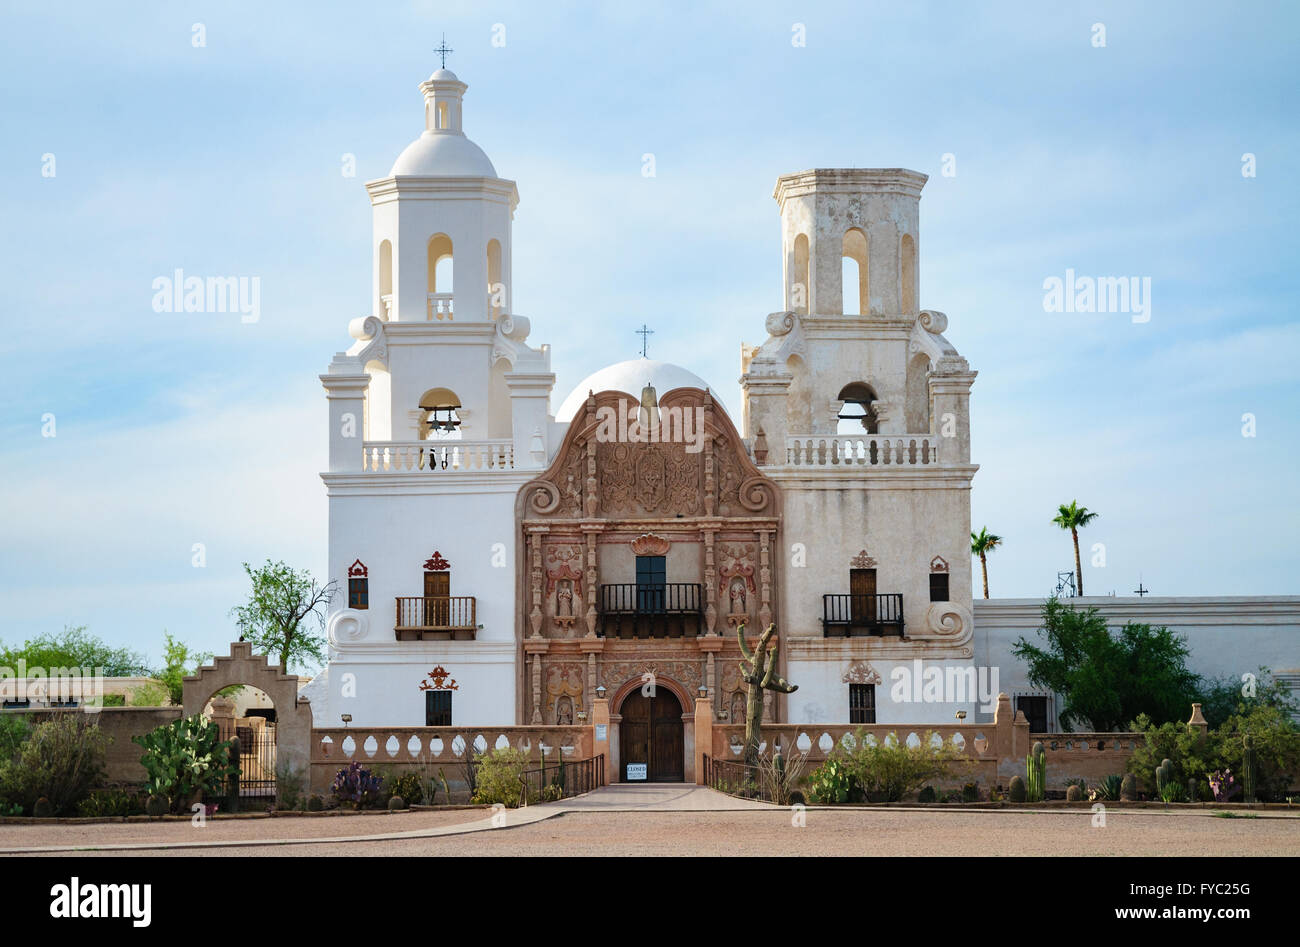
698 504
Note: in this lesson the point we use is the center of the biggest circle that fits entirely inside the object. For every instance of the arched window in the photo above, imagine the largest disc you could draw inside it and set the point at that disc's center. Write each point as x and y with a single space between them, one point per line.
497 302
856 414
907 273
439 419
441 270
917 406
797 298
853 274
385 280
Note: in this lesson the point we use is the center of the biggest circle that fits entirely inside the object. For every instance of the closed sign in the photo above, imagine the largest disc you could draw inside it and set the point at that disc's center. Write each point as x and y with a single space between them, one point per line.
636 771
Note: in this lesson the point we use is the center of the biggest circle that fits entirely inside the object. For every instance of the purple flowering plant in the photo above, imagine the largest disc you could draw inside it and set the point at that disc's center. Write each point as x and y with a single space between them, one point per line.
354 784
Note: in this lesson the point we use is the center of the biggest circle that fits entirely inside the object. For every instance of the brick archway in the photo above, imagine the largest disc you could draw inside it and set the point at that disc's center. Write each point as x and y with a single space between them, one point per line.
242 666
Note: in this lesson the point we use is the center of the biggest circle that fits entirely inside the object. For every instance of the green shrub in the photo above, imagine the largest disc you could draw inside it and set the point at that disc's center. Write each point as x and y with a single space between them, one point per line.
60 760
104 803
14 729
406 784
926 794
288 787
315 804
498 777
151 694
1191 753
1109 788
112 700
1277 750
834 783
185 758
889 770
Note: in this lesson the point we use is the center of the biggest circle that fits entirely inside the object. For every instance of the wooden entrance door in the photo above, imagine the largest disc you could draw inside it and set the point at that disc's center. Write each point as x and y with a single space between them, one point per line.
437 599
862 596
650 736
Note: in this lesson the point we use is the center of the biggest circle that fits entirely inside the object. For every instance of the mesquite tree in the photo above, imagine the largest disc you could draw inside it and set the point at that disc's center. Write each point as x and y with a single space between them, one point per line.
758 671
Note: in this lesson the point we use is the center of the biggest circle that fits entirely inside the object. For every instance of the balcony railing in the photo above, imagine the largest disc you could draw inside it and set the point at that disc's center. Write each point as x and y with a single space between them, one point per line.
856 616
440 306
869 450
439 617
668 610
437 456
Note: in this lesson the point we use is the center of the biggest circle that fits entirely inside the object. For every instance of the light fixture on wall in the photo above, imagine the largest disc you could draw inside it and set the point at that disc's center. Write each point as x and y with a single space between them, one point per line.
347 719
600 692
961 715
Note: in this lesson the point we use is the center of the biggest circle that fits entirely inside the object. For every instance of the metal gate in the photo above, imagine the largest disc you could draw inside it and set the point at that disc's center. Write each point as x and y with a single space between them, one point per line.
256 759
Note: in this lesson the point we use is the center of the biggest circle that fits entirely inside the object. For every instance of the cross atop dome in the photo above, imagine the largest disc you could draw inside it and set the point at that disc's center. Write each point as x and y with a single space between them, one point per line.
443 50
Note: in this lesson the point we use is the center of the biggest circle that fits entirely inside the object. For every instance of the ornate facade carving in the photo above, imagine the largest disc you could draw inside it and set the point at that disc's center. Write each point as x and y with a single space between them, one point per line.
648 544
861 672
938 564
439 680
862 561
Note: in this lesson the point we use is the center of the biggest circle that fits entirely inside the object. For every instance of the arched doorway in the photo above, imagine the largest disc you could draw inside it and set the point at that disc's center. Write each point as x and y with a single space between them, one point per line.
650 737
249 713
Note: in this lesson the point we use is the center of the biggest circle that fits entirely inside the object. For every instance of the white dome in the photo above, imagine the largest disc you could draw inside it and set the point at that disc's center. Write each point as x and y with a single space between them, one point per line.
443 154
443 75
630 377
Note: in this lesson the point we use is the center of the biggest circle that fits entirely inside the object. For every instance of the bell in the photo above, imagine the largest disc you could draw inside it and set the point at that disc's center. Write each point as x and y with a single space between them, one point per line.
649 407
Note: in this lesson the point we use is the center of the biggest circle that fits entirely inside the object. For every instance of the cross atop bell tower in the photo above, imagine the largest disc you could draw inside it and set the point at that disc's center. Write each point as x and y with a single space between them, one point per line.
443 50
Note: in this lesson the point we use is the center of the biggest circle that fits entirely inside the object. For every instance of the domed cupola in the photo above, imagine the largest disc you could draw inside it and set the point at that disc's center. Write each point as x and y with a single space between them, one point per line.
442 220
442 149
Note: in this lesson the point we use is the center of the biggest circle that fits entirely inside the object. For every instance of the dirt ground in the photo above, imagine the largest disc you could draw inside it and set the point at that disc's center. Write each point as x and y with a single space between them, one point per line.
825 832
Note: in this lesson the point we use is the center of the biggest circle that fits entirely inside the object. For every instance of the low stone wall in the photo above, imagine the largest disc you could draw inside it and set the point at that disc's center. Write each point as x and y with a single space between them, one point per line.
404 748
120 724
995 752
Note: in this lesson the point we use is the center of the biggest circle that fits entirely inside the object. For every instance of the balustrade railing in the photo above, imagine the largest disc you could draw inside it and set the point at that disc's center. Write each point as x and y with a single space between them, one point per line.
862 615
420 616
437 456
870 450
440 306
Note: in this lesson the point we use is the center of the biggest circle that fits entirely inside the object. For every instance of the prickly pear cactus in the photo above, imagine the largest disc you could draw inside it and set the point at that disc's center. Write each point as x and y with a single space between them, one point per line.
1128 788
1016 792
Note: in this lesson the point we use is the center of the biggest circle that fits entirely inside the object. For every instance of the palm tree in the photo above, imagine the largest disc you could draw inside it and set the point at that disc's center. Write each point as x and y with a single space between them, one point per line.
981 545
1074 518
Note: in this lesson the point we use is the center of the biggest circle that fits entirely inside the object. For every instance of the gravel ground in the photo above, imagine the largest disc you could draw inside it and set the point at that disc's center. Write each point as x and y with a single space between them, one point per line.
881 832
106 833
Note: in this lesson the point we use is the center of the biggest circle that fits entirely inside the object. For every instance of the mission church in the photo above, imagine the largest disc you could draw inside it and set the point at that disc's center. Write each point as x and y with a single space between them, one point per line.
510 556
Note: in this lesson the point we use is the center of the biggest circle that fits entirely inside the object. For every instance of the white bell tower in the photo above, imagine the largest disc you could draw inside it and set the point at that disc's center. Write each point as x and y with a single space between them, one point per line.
442 222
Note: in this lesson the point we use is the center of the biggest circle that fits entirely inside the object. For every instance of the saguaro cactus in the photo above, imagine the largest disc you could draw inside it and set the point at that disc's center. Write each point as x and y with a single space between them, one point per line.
1164 775
758 671
1248 768
1036 772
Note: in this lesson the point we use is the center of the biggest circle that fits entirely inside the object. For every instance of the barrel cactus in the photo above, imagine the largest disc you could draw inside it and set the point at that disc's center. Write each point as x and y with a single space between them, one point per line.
1248 771
315 804
42 809
155 807
1128 788
1074 793
1016 792
395 803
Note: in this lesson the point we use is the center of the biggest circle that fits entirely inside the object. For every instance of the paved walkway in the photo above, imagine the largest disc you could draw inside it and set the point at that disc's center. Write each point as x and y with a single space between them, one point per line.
661 797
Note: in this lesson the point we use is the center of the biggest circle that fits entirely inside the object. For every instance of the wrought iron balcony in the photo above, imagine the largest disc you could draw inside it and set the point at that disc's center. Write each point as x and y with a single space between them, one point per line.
853 616
441 617
662 610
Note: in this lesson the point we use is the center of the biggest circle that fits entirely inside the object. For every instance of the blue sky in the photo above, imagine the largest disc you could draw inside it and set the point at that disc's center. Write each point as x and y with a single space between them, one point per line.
176 429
